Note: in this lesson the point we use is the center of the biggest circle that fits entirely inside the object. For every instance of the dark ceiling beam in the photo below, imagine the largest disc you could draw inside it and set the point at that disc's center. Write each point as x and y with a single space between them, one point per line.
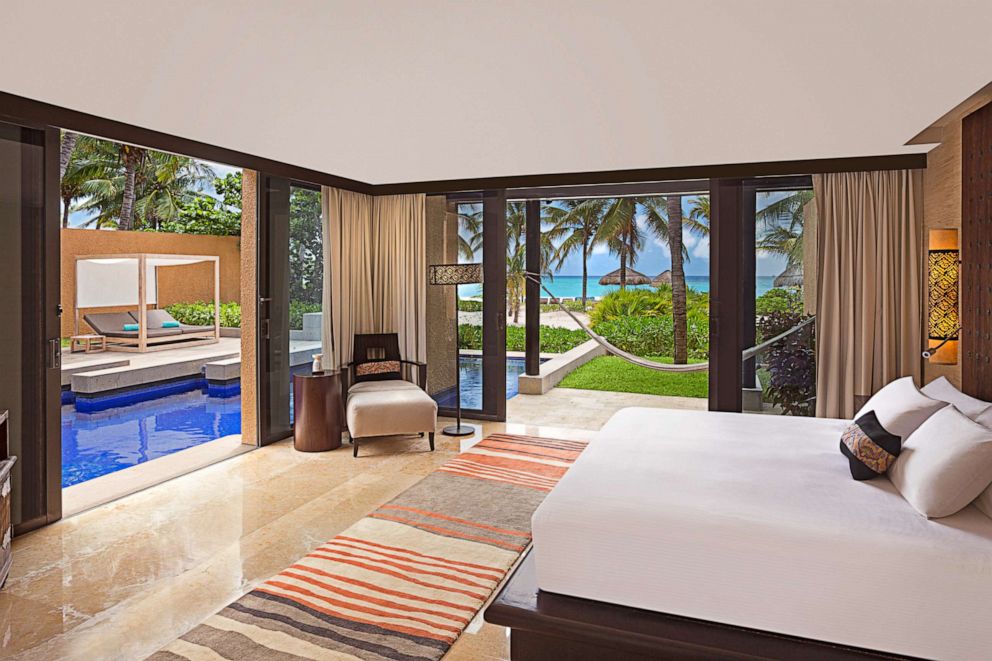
740 170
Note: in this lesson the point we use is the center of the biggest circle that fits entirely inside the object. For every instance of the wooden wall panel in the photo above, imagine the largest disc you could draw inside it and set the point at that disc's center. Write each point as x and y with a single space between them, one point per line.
976 253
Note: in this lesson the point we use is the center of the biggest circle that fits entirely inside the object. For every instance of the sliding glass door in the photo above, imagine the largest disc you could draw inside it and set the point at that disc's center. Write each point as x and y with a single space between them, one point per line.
290 286
466 333
274 422
30 350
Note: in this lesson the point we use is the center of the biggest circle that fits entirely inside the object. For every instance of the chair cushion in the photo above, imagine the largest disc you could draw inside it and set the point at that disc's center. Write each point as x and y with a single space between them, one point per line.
156 318
105 323
391 410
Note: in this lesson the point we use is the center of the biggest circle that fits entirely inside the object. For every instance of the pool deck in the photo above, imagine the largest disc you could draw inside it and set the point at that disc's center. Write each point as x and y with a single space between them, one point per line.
112 370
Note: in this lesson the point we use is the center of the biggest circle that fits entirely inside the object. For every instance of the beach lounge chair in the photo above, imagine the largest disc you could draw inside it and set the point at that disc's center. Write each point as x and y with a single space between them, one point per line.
112 326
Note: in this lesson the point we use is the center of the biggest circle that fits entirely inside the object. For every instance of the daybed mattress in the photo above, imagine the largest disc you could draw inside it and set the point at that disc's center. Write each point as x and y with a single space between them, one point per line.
754 521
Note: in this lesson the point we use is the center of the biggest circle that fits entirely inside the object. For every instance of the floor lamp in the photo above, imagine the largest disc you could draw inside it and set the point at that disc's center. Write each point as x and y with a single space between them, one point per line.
456 274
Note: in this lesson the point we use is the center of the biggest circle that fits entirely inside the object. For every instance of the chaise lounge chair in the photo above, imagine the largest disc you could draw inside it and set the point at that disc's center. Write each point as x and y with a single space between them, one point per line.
112 326
380 401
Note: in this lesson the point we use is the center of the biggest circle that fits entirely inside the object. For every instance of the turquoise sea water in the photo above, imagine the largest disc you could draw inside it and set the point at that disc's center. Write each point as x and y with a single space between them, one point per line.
570 286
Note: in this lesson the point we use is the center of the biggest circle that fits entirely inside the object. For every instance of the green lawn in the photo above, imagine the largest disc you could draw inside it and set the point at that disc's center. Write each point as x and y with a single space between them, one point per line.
617 375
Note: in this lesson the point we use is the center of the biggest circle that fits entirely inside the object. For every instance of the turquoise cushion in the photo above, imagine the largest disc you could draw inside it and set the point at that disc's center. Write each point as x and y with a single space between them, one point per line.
170 324
130 327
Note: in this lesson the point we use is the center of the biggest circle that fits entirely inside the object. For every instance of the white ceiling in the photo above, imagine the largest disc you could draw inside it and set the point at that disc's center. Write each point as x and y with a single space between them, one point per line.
396 91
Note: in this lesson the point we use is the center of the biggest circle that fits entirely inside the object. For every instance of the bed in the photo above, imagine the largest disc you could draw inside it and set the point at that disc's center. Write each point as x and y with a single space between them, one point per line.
750 523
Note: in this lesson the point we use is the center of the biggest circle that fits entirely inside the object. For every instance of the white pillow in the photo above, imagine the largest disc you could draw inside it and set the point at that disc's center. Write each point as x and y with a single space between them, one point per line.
901 408
944 465
945 391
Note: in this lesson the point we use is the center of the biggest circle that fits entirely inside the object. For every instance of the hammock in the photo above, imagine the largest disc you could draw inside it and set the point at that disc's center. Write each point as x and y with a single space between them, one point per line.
650 364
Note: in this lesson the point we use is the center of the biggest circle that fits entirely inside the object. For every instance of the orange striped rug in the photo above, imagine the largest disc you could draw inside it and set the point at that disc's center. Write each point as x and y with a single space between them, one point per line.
406 580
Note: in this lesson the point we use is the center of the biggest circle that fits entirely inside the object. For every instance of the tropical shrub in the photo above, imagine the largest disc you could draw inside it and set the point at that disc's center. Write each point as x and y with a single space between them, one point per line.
201 313
779 299
655 336
469 305
296 311
791 363
630 303
553 339
645 303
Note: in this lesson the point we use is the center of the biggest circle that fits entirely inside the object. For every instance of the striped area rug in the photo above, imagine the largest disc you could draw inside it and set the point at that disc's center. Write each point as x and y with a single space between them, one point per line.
406 580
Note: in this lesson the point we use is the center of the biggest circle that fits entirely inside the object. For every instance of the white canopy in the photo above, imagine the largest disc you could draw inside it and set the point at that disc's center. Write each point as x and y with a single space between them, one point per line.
112 280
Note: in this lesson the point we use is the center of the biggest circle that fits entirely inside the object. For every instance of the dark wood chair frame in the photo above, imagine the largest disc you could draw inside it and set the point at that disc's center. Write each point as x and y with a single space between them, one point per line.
388 344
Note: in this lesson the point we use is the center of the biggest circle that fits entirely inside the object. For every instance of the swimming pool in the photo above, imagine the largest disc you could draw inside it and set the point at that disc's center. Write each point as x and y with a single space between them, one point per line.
470 373
107 434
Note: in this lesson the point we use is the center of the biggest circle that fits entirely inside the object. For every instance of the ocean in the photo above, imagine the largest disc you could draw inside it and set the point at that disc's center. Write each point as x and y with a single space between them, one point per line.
570 286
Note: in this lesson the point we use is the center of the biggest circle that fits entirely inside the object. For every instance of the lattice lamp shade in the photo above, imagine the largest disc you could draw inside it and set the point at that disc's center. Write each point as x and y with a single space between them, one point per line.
454 274
943 280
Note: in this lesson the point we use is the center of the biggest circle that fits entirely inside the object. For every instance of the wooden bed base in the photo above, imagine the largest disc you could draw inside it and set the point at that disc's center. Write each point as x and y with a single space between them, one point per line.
550 626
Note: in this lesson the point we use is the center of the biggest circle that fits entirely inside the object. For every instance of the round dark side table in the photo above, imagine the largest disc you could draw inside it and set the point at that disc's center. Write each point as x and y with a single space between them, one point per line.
318 411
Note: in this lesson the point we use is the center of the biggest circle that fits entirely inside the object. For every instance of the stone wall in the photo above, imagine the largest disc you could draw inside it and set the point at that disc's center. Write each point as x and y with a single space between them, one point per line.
442 248
249 290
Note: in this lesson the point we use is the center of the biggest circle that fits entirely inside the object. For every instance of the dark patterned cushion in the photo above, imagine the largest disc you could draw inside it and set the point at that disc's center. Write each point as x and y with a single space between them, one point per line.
377 368
869 448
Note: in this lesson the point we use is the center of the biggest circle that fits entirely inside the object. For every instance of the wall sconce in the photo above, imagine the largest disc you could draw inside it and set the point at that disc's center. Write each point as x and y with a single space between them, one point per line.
943 281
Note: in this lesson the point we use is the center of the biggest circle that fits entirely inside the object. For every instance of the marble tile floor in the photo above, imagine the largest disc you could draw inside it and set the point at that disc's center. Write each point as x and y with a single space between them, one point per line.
123 579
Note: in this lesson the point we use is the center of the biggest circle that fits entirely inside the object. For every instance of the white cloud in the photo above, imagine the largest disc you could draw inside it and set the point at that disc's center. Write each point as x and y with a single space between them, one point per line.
702 249
600 249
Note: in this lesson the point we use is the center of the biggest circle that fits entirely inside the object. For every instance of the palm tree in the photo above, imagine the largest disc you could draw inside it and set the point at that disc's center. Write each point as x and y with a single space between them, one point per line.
162 183
679 306
167 182
516 256
620 231
68 146
132 158
469 230
574 224
782 227
698 218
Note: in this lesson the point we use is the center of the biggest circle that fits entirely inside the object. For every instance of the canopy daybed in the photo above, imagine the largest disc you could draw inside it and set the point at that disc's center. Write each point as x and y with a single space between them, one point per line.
131 280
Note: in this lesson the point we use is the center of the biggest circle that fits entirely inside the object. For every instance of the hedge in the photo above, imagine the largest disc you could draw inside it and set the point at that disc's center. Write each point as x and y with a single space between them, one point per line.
655 336
201 313
553 339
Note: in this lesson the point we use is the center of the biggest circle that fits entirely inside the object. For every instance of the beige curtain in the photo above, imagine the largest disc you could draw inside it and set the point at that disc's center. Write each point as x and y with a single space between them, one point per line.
869 294
400 270
375 272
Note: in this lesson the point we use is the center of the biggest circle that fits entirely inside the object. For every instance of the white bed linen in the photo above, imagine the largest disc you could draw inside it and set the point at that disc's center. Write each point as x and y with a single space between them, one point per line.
754 520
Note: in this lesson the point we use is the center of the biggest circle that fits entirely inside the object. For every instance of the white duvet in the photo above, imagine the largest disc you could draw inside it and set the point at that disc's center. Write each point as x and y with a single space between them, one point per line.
754 521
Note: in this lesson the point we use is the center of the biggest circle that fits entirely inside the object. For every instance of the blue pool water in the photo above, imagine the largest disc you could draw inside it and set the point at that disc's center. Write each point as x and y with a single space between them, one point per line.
470 373
105 435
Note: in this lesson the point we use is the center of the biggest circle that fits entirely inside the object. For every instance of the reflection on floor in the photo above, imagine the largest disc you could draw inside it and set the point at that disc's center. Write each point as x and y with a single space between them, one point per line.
123 579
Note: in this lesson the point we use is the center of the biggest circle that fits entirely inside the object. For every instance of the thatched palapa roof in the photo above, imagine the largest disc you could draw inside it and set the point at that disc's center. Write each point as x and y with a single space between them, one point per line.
633 278
663 278
790 277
